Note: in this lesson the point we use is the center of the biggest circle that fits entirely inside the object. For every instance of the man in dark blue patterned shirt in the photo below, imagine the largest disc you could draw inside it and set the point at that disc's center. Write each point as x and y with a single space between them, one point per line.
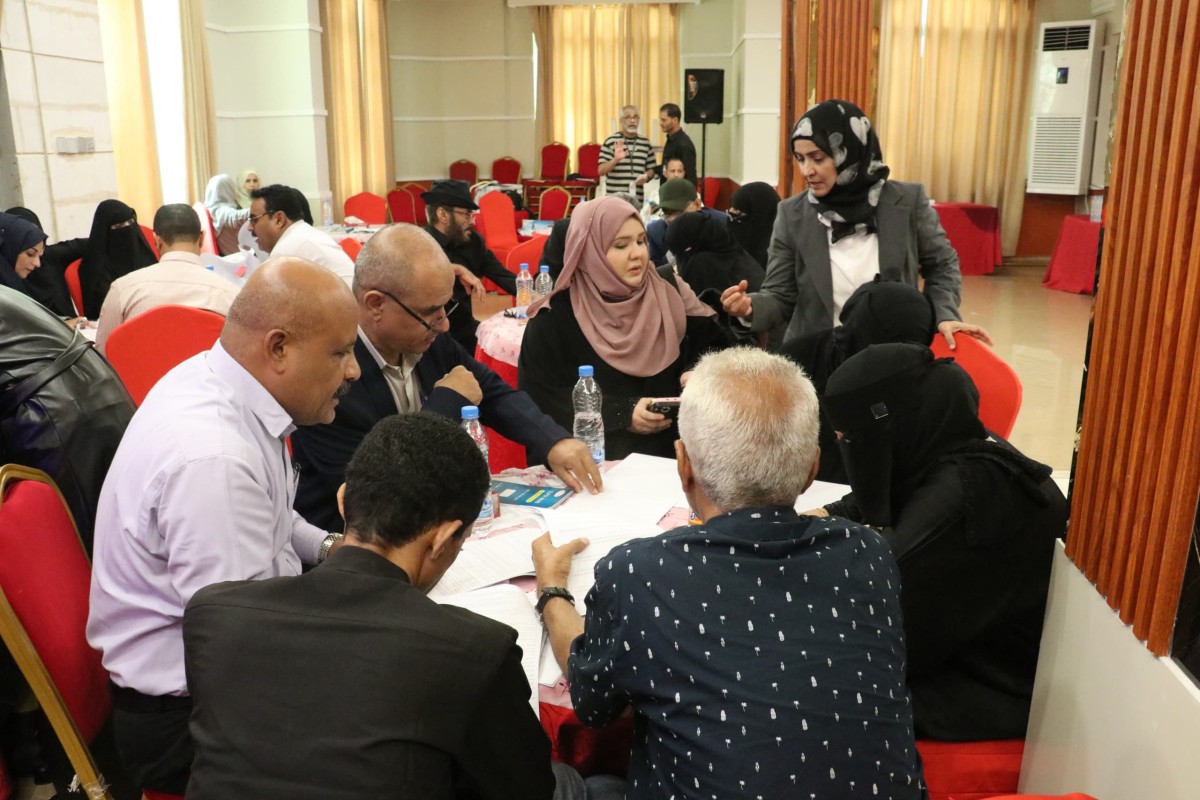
762 652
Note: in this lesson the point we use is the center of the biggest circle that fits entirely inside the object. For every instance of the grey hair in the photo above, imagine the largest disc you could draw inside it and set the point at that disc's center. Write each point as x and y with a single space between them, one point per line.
628 198
749 420
626 108
385 261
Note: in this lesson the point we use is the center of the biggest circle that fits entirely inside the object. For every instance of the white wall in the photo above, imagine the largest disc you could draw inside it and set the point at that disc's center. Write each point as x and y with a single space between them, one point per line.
462 78
1108 718
53 74
269 91
708 32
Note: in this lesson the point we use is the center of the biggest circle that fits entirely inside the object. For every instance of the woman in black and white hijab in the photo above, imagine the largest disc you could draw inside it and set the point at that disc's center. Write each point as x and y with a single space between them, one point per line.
851 224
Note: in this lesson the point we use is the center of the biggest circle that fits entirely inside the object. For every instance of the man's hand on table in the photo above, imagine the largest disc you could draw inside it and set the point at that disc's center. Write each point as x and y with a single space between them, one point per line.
553 568
469 281
571 461
462 380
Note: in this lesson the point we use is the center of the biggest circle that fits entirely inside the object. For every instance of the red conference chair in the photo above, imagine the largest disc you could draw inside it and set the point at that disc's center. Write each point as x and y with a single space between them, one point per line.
415 190
530 253
554 203
506 170
209 244
464 170
148 233
712 188
500 222
400 203
146 347
370 208
589 162
352 247
554 161
44 581
1071 796
997 382
74 287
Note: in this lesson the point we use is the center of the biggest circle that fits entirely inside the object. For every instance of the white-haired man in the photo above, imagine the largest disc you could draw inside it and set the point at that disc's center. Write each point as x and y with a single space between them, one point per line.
626 157
762 651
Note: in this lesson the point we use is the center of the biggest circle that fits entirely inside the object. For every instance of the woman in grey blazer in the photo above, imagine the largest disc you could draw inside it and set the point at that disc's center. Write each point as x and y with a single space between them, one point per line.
851 224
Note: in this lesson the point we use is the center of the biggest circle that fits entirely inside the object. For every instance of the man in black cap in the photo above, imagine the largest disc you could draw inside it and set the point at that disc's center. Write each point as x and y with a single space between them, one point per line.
448 210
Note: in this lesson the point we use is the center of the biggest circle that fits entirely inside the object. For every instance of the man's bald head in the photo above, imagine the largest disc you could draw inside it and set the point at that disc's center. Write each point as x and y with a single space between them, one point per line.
293 326
397 258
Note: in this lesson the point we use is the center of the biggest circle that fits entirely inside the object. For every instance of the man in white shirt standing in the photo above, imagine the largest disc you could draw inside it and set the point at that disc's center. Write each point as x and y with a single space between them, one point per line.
277 221
177 279
201 490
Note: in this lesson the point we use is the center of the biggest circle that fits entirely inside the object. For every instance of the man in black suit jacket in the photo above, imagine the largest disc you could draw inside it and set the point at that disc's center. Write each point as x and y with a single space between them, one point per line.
348 682
403 282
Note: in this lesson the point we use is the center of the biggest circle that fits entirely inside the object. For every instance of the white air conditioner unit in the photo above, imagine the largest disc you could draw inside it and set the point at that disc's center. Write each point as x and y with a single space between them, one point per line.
1067 75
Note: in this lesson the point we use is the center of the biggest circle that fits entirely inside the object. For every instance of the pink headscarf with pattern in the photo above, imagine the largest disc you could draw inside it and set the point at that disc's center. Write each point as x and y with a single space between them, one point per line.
636 330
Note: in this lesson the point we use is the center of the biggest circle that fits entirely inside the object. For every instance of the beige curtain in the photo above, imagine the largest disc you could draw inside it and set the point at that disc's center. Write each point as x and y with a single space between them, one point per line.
953 101
131 113
543 32
605 57
358 96
199 113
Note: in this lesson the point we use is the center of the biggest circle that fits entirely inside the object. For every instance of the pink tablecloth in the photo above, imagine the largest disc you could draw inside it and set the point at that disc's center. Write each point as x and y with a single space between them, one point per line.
499 347
974 232
1073 263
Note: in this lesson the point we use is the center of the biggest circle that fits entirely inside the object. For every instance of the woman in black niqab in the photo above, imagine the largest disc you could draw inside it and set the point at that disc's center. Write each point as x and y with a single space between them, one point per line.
116 247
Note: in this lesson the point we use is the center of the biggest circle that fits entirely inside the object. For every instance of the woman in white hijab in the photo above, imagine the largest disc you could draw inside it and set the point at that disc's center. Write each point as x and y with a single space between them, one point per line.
221 200
247 182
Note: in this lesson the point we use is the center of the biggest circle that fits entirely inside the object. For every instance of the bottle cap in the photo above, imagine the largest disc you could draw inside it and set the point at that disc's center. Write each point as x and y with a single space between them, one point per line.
470 412
524 268
544 268
586 371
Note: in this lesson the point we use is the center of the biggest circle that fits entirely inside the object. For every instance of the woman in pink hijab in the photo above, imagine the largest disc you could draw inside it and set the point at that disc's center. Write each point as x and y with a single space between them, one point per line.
612 310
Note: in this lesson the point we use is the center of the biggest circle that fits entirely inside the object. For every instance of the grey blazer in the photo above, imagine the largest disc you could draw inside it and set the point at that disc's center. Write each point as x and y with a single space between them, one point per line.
798 288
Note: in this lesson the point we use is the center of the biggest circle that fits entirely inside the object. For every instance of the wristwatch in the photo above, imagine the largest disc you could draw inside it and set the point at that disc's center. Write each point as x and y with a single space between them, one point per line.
326 545
549 593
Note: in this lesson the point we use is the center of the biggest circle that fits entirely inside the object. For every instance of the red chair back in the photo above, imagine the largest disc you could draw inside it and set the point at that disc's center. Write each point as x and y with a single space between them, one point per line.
712 188
997 382
370 208
352 247
44 583
529 252
554 161
589 161
506 170
415 190
464 170
146 347
209 244
71 275
554 203
400 203
148 233
501 222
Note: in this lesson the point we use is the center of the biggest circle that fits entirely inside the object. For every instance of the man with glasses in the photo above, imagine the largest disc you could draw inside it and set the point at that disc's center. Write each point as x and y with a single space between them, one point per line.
627 158
448 210
277 221
404 283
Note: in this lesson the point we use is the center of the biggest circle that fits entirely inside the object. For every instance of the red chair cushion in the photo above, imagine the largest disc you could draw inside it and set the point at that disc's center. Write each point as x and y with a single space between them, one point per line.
45 576
146 347
999 387
971 770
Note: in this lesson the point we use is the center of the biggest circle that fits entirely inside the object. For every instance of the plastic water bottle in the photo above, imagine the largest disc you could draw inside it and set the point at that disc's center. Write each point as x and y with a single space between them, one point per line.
544 285
589 423
475 429
524 290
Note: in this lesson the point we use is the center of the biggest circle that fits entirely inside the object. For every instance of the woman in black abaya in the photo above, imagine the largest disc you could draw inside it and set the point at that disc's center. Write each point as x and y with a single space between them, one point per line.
116 247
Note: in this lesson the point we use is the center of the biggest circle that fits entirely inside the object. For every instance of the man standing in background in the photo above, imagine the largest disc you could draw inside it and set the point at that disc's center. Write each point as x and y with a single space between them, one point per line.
679 144
627 159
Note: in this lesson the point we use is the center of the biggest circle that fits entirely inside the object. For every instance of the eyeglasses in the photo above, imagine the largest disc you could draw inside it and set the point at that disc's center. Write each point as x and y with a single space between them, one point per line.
447 310
254 219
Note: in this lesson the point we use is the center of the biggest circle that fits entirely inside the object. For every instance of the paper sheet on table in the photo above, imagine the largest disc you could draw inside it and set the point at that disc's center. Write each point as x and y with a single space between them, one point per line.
509 605
639 490
487 562
821 493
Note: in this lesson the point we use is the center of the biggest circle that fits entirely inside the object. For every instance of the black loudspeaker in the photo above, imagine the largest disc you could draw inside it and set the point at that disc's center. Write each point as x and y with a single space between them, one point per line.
704 96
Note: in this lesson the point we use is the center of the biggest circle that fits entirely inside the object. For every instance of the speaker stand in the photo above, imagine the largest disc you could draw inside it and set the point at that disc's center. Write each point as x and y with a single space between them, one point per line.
703 155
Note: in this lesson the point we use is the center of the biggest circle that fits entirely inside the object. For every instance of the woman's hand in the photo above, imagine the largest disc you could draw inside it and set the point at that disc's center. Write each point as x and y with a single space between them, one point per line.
736 302
77 322
952 326
646 421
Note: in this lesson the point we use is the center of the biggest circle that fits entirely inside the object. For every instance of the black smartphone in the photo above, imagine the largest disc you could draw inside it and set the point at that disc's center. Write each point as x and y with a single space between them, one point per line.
667 406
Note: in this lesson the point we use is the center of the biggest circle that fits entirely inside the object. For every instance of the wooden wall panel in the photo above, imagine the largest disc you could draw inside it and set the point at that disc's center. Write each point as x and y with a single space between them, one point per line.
1138 472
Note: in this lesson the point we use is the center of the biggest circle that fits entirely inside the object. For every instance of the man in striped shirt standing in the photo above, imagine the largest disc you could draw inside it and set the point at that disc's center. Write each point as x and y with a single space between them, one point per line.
627 159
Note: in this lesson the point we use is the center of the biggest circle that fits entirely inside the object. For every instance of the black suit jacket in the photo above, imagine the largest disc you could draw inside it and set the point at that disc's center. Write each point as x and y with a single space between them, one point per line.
348 683
321 452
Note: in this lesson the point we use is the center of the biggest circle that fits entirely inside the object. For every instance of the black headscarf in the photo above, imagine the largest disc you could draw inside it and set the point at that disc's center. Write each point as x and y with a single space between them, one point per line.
901 413
16 236
111 253
758 203
48 284
844 133
697 232
708 258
